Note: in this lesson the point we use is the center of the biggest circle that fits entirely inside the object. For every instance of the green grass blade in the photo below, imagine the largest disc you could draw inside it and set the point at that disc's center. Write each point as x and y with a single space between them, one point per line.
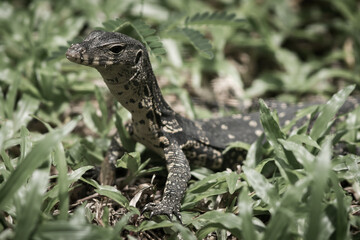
11 98
265 190
62 181
24 145
330 109
126 140
320 175
271 128
72 230
301 153
26 106
114 194
38 155
254 154
342 224
245 213
29 211
219 220
231 181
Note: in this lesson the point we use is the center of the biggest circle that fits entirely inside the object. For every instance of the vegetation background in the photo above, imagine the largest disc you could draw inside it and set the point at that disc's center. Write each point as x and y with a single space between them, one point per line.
211 59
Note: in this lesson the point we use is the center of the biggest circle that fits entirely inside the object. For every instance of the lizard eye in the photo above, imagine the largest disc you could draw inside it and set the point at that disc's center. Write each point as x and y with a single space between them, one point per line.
117 48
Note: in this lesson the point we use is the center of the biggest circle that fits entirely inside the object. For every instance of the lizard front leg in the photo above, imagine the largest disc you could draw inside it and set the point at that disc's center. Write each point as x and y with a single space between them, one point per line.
176 183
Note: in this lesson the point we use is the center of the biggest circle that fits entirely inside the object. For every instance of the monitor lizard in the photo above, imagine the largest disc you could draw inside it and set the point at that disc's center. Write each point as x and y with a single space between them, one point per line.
124 64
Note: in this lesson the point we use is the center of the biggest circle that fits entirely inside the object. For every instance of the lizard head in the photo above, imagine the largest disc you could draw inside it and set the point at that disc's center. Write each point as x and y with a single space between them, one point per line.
102 49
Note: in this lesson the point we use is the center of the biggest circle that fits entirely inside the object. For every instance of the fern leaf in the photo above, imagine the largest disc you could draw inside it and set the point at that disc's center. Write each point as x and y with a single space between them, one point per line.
144 33
215 18
199 42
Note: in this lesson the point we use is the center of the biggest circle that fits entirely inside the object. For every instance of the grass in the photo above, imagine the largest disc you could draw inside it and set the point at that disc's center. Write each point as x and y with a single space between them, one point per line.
56 119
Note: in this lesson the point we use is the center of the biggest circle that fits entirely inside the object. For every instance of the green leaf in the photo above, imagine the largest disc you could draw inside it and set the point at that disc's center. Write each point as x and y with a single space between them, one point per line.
215 18
286 211
143 31
76 228
60 160
218 220
301 153
327 114
112 193
199 42
149 225
342 220
245 213
130 161
125 139
253 156
30 210
26 106
320 175
38 155
184 232
103 108
212 185
302 138
271 128
236 145
11 98
265 190
120 225
231 180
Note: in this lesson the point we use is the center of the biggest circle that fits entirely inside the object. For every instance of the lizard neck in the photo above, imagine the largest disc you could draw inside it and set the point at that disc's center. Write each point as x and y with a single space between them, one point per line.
136 88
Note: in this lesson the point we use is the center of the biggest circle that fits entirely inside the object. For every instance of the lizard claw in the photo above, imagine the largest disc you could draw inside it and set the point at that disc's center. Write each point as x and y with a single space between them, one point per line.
162 208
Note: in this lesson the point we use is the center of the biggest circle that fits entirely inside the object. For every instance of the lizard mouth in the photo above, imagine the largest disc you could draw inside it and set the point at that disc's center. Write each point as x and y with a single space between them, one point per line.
77 54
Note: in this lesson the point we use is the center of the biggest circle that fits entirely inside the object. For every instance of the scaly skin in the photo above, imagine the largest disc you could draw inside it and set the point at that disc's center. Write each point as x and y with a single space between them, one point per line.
124 65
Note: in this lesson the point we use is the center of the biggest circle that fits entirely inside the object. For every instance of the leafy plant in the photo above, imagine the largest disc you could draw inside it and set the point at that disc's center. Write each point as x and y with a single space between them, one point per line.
292 185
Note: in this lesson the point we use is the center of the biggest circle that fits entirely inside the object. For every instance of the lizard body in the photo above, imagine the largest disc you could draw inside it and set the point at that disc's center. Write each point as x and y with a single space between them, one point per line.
125 67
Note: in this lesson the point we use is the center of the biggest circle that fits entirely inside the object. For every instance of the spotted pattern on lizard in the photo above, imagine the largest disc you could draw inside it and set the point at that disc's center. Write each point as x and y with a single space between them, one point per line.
125 67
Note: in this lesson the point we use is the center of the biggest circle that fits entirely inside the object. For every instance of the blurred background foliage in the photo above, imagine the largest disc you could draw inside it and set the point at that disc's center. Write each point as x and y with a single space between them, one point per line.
211 58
